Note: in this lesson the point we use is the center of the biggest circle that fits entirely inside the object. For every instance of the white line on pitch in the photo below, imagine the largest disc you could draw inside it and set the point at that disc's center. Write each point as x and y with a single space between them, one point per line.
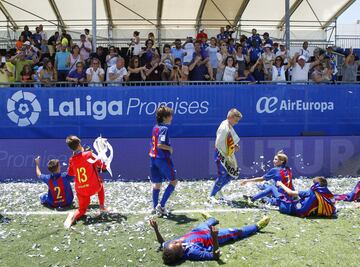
143 212
147 212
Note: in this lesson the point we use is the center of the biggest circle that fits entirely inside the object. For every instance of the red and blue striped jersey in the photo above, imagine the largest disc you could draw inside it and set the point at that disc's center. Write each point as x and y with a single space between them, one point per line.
60 193
316 201
355 193
198 245
159 136
282 174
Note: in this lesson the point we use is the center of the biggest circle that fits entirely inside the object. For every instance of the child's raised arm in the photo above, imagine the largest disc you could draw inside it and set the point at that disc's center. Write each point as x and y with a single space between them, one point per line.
154 225
37 166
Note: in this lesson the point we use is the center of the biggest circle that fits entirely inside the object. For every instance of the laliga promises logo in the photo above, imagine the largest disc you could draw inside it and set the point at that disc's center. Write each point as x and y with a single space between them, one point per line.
23 108
266 104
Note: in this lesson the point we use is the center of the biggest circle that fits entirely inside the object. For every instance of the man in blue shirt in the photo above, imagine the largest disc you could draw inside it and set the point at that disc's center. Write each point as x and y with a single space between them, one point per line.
254 53
229 32
178 51
37 38
200 68
254 40
162 167
60 194
61 63
267 39
202 243
222 35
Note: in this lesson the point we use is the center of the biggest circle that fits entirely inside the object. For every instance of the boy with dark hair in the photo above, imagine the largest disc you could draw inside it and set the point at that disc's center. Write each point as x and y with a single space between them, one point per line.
60 194
202 243
317 201
162 167
84 165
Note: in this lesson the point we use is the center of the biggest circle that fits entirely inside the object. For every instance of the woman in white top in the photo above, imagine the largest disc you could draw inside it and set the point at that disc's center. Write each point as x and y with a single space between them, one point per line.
268 59
168 60
74 58
279 70
213 51
189 49
222 55
241 60
95 74
135 41
111 57
230 71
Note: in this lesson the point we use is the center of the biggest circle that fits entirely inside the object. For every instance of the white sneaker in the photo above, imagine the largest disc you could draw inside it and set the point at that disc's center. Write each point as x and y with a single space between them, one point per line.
161 211
213 200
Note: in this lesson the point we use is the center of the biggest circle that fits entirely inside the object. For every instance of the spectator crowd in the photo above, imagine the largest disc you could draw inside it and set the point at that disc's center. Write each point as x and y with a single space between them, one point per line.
251 59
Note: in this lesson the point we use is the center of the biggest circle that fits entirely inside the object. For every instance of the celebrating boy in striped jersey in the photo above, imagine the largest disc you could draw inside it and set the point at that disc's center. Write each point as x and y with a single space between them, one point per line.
60 194
317 201
162 167
202 243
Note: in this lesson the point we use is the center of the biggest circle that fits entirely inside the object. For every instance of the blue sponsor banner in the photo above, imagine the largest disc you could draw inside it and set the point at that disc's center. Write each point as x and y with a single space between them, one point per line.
129 111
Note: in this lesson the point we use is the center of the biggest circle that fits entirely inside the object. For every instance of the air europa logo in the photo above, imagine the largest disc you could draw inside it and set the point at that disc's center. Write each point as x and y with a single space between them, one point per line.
271 104
23 108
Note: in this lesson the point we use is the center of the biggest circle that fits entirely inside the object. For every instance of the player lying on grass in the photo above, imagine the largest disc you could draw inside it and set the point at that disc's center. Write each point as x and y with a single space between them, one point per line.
226 145
202 243
60 194
162 167
85 167
317 201
280 172
354 195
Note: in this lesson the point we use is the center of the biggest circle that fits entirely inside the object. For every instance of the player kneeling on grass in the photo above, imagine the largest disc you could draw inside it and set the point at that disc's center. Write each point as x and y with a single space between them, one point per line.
354 195
203 242
280 172
317 201
162 167
60 194
226 145
85 167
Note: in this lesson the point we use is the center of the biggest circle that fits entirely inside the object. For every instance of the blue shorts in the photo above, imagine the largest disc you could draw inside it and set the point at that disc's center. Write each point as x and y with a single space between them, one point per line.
162 170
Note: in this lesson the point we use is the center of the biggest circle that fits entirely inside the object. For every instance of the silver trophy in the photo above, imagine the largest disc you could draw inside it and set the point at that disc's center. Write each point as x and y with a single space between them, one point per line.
102 146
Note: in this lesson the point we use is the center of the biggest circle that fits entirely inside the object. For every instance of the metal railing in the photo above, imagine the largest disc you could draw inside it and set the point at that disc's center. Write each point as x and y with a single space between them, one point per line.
348 41
124 43
165 83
